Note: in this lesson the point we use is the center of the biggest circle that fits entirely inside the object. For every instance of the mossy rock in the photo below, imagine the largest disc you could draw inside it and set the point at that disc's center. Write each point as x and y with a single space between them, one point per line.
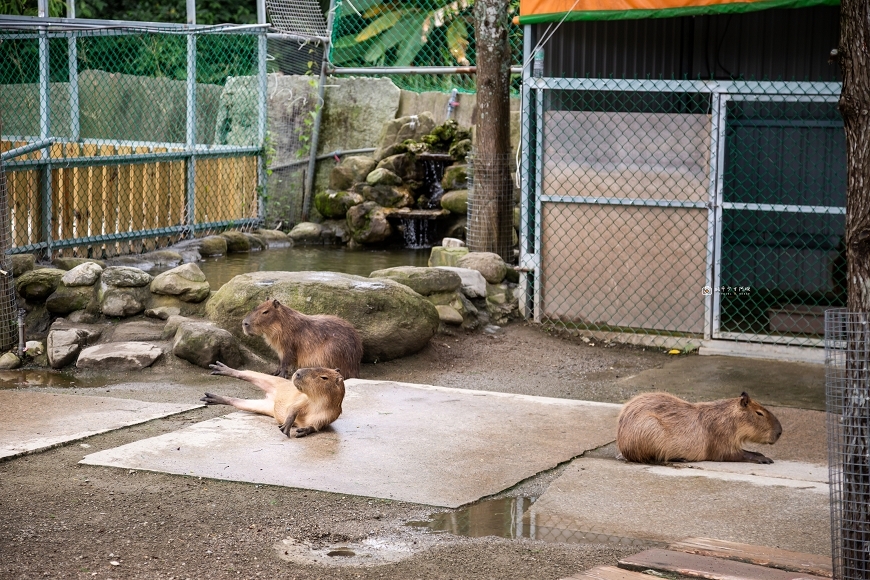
334 204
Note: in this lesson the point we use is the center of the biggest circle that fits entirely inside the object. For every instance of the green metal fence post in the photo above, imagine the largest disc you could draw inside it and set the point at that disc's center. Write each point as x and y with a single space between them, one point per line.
190 139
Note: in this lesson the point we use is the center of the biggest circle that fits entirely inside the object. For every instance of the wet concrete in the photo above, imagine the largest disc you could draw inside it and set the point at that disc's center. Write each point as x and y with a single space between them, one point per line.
36 421
669 503
705 378
429 445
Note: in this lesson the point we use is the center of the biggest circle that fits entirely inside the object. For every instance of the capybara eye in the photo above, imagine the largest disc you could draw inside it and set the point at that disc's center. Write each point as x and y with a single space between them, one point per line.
759 413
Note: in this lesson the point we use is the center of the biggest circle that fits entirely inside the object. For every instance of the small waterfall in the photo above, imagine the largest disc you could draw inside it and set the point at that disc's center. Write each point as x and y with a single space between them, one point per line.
418 233
433 166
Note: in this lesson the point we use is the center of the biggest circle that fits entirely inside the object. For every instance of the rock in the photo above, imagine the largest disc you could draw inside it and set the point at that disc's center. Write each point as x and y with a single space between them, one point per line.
404 165
459 150
351 170
512 275
501 304
83 317
399 130
203 343
383 176
392 319
125 277
307 233
85 274
159 301
489 264
237 242
64 344
442 256
212 246
334 204
449 315
386 196
71 263
138 331
473 282
455 177
274 238
65 300
452 243
186 282
119 356
423 281
22 263
37 285
456 201
34 347
457 227
162 312
461 304
9 361
368 224
337 229
255 242
149 260
123 302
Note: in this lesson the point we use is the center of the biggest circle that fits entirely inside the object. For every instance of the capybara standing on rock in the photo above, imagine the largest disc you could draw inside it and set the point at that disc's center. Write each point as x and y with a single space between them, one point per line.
659 427
302 340
311 400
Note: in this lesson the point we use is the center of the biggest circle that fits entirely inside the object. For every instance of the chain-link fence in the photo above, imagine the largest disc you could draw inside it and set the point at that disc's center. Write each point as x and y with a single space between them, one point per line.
847 359
129 137
684 210
8 302
492 196
429 33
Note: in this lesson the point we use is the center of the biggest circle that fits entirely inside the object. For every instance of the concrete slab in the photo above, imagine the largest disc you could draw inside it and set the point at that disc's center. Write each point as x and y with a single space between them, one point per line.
785 506
430 445
36 421
704 378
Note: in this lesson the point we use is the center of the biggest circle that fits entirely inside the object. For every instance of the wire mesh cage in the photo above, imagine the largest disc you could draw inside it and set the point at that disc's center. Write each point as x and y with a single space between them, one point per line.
492 197
8 302
847 392
142 134
683 210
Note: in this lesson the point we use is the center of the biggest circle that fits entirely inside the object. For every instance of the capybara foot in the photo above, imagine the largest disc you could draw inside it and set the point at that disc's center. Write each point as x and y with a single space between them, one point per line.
219 368
281 372
755 457
212 399
302 432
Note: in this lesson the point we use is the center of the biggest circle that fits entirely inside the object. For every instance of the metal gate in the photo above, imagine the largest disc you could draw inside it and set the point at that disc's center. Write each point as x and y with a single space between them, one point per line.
667 212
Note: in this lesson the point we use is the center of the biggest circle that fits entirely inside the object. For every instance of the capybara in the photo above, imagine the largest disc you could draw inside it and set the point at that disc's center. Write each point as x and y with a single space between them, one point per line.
659 427
302 340
310 400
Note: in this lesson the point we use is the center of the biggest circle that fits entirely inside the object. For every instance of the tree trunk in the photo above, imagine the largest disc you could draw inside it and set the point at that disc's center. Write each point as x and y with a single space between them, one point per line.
854 56
490 227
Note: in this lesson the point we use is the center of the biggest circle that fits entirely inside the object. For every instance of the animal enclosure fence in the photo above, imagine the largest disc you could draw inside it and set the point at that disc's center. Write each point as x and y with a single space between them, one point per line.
120 137
673 211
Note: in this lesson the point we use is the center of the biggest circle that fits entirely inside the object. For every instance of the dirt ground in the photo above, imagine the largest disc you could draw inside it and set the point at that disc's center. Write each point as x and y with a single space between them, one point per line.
59 519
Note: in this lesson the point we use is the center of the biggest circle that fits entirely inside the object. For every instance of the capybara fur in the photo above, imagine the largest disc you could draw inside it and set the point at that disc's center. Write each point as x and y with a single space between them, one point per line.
309 401
303 340
659 427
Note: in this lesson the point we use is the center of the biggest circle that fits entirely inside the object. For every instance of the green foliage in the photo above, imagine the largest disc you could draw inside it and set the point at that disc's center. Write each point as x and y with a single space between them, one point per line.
30 7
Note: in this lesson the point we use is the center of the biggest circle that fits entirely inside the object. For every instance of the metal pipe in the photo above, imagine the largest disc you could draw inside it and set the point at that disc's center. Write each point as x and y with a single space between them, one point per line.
308 192
41 144
412 70
22 341
45 186
261 110
190 133
322 157
133 159
99 25
299 37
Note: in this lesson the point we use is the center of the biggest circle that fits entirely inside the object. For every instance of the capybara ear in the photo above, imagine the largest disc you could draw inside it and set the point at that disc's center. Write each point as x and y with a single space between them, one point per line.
339 374
275 303
744 399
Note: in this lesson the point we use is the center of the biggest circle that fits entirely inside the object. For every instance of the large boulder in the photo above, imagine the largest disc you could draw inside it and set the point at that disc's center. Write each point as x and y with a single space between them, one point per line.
64 344
37 285
123 302
119 356
393 320
385 195
85 274
307 233
423 281
404 165
446 256
456 201
489 264
125 277
274 238
237 242
399 130
212 246
69 299
455 177
473 282
334 204
22 263
351 170
186 282
383 176
368 223
203 343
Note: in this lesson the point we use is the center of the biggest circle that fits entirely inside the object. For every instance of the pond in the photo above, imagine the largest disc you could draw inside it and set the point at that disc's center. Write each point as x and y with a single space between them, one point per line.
219 271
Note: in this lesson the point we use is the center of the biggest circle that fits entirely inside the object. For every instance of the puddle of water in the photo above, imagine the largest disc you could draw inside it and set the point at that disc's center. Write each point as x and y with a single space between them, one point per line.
219 271
16 379
510 518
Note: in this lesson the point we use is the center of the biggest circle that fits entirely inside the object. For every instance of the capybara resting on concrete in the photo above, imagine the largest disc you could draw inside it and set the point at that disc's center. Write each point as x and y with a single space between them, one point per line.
311 400
302 340
659 427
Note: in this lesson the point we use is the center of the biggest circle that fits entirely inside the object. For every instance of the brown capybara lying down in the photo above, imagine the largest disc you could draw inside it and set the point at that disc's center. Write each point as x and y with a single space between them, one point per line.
659 427
302 340
310 401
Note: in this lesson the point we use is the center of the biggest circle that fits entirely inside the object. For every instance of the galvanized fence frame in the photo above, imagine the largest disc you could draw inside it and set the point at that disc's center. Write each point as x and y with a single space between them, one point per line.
536 90
49 142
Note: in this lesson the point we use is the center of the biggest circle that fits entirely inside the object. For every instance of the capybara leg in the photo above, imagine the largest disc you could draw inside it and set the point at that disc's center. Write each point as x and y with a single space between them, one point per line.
282 370
287 426
268 383
261 406
302 432
754 457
